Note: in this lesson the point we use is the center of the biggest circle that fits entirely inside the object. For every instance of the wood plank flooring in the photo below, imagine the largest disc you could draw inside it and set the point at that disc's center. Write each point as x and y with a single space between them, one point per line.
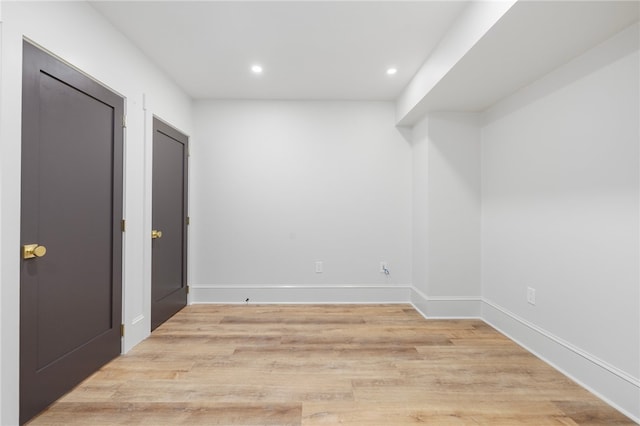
326 365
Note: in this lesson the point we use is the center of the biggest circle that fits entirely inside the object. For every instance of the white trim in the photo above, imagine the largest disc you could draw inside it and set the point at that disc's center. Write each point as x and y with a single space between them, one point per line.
449 307
135 240
304 294
634 381
137 319
134 332
430 307
614 386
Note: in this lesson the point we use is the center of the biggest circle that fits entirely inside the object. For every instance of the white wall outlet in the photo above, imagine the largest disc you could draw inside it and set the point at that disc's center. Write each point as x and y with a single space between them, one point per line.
384 267
531 295
319 267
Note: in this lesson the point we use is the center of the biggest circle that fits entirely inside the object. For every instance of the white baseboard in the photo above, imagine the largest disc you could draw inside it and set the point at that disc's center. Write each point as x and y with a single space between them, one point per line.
300 294
610 384
135 331
446 307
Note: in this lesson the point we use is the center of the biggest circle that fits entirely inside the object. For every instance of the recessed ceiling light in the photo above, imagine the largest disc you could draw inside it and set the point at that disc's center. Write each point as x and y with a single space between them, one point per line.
256 69
392 71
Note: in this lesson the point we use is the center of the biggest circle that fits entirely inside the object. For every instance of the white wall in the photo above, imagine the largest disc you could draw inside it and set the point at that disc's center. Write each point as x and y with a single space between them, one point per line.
282 185
80 36
560 213
446 215
420 213
454 205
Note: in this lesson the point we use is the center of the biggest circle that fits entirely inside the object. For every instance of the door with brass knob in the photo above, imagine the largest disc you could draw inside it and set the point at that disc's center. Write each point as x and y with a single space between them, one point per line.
71 202
169 223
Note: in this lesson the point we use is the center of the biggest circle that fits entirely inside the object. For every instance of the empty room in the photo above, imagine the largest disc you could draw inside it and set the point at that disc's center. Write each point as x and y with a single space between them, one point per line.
320 212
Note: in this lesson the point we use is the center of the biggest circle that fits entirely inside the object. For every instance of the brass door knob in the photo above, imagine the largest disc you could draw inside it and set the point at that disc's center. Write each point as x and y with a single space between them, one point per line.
156 234
29 251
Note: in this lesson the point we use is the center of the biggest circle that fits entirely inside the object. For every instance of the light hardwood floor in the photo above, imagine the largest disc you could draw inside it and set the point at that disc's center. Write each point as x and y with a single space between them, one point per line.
329 365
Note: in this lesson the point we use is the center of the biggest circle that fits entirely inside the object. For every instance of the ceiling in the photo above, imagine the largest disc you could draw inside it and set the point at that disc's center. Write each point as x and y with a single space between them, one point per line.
308 49
340 50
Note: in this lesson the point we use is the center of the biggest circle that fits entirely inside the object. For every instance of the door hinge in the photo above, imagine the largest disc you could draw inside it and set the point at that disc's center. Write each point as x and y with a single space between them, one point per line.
123 225
188 220
124 121
121 330
187 289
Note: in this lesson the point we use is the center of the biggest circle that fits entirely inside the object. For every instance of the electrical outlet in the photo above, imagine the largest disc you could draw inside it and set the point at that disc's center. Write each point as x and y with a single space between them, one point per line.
531 295
319 267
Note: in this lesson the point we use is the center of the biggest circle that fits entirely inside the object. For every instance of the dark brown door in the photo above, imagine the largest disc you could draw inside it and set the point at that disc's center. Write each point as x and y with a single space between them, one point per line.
169 236
70 295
